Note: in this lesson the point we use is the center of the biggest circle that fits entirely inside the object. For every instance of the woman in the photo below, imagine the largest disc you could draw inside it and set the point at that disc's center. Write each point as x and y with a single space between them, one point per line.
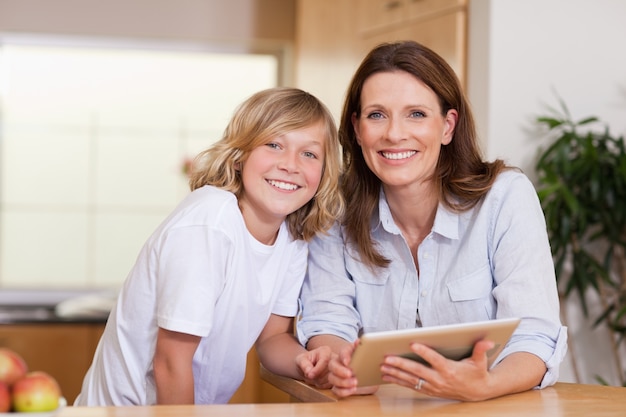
432 235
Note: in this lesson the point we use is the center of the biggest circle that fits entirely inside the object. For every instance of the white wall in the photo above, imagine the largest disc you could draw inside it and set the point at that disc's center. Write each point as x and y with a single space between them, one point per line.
522 53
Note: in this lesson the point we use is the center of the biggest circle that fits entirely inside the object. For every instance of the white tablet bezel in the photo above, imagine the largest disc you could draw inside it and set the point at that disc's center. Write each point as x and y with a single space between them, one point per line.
455 341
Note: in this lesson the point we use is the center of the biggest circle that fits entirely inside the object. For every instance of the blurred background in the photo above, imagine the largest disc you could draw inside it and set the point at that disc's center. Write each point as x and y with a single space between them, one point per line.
103 102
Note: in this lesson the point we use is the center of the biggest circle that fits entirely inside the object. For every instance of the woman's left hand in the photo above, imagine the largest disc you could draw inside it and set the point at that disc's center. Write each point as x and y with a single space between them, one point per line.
466 380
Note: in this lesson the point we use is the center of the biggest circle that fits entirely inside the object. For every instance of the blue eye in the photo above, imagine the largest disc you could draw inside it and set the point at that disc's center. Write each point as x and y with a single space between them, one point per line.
310 155
273 145
418 114
375 115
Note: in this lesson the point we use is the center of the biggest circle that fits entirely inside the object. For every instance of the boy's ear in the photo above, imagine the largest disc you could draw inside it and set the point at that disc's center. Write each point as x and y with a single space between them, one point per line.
237 166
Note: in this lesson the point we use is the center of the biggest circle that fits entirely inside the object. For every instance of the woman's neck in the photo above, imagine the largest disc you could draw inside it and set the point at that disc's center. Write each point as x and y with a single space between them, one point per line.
413 207
413 211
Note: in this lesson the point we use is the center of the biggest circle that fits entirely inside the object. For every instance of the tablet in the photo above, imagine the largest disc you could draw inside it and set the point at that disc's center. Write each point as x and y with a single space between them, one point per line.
454 341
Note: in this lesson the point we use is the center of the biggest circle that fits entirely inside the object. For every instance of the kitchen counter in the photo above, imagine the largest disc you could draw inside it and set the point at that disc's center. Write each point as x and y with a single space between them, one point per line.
39 315
55 331
572 400
23 306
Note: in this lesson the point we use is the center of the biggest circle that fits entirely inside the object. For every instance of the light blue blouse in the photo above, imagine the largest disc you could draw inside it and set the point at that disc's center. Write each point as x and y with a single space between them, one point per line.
493 261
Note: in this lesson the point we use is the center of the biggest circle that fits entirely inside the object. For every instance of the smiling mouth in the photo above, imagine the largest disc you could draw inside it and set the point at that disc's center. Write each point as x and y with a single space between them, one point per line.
398 155
287 186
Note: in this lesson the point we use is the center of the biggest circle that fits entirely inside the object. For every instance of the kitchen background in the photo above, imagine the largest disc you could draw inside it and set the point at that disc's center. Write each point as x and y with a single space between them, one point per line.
94 146
102 102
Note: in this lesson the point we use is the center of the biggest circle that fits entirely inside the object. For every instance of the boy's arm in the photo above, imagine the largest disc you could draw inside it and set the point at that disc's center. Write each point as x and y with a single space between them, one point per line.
172 363
280 352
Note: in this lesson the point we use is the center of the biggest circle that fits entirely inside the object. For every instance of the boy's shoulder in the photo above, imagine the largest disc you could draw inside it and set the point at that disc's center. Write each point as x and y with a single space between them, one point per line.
209 205
210 196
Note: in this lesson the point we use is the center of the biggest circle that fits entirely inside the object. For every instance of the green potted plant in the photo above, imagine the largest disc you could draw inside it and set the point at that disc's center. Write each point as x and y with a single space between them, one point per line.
582 187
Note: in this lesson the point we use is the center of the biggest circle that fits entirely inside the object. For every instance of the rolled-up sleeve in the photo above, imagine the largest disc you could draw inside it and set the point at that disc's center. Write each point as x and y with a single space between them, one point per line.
328 293
523 270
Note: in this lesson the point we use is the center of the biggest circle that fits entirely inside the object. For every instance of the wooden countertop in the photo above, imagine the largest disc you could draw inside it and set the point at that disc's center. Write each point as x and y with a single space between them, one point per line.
571 400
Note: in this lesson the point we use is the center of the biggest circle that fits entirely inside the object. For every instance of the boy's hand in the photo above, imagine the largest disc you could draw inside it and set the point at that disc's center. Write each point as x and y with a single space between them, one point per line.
313 366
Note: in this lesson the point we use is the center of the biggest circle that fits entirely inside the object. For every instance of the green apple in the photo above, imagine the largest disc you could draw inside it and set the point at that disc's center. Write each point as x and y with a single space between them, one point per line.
12 366
36 391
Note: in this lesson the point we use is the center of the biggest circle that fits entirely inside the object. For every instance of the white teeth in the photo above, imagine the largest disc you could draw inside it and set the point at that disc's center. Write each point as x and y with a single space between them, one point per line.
398 155
283 185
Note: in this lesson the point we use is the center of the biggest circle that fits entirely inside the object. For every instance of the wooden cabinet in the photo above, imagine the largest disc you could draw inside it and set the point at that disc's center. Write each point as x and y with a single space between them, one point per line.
333 36
253 389
444 32
64 350
380 15
325 49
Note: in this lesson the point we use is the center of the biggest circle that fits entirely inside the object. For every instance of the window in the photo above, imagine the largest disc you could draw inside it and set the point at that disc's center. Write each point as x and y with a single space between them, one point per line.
92 146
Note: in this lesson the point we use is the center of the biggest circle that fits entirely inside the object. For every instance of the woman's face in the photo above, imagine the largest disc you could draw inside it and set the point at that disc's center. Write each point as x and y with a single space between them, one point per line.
401 129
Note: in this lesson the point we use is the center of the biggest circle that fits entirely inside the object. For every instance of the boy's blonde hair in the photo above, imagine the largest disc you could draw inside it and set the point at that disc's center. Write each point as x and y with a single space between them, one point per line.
258 120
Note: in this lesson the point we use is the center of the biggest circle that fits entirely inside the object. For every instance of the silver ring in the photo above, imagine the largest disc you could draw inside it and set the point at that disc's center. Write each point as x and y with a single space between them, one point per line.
419 384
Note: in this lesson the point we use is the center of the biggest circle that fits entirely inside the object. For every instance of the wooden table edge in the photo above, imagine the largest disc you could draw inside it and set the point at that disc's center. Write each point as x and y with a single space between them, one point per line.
298 391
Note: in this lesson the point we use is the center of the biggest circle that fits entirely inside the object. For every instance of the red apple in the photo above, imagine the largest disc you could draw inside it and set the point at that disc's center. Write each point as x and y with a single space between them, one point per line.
36 391
5 398
12 366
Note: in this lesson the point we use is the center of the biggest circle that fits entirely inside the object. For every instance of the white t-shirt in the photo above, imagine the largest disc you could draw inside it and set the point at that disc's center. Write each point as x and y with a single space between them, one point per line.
201 273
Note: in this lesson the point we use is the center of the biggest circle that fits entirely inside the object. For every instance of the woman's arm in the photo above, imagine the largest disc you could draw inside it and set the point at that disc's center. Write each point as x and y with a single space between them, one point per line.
327 293
523 272
172 362
336 343
468 379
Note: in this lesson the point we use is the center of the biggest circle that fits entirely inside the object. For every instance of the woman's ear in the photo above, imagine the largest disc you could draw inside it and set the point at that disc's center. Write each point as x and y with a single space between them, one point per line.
238 166
451 118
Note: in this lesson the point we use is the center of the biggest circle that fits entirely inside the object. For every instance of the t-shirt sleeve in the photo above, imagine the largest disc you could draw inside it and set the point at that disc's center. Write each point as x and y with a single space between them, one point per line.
191 275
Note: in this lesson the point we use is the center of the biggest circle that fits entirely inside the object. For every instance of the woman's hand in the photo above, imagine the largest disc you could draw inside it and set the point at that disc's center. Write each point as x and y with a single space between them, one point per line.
469 379
465 380
341 376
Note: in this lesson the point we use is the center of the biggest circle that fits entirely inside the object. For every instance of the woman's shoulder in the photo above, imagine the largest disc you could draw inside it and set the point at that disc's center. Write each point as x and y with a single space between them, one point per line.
510 179
512 188
328 241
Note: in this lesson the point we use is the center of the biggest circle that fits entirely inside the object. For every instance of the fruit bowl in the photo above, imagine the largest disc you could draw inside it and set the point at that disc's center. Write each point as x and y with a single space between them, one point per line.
62 404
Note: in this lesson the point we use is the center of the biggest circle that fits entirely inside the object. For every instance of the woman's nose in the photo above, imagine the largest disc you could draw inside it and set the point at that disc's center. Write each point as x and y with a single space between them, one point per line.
395 130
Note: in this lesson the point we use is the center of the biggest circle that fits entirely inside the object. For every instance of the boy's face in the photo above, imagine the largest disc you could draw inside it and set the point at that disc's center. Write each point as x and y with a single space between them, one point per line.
282 176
